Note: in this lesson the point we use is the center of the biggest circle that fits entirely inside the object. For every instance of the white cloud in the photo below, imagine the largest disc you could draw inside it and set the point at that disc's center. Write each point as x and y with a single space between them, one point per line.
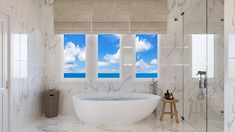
154 71
141 65
142 45
71 53
82 70
154 62
82 55
102 70
117 35
69 59
102 64
114 70
113 59
109 59
68 67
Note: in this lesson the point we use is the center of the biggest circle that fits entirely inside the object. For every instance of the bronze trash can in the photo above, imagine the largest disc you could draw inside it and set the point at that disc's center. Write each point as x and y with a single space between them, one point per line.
51 102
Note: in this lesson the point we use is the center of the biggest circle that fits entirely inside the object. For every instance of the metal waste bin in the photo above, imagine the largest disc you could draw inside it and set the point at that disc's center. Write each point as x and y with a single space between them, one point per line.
51 102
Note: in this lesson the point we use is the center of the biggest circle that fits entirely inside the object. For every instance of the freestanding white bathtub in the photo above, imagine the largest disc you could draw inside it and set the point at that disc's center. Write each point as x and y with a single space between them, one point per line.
114 108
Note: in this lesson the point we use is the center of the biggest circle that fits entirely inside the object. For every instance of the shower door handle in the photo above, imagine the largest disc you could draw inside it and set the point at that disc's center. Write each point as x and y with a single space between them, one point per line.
205 83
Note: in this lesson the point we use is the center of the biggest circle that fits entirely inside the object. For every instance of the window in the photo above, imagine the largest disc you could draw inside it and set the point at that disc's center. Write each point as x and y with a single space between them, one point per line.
20 56
231 56
146 55
74 56
108 56
203 54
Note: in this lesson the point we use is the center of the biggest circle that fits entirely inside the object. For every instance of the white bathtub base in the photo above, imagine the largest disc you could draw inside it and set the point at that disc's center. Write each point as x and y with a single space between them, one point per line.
114 112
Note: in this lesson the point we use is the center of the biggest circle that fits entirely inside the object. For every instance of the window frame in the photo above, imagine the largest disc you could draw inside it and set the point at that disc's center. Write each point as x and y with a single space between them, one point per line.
91 44
158 53
86 61
97 57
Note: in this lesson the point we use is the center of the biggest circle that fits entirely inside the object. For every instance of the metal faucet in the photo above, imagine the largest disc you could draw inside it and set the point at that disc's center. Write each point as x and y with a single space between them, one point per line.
154 86
202 79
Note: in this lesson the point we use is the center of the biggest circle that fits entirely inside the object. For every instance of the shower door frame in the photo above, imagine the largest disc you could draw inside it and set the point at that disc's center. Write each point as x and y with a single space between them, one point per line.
4 92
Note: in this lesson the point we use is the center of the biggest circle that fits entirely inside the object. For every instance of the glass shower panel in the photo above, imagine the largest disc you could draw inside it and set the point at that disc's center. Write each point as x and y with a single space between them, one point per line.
1 55
195 58
203 37
1 76
215 26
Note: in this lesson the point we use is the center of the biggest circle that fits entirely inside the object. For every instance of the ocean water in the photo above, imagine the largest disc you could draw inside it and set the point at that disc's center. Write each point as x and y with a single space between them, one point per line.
146 75
108 75
74 75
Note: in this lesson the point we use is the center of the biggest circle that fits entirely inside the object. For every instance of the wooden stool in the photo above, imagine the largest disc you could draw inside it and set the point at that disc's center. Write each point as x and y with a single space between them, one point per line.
173 109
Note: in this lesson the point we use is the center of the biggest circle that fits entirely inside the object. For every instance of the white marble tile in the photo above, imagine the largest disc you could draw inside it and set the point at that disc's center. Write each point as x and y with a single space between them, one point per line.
26 61
73 124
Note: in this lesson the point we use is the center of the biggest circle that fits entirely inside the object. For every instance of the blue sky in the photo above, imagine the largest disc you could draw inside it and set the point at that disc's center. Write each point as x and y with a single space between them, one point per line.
74 53
146 53
108 53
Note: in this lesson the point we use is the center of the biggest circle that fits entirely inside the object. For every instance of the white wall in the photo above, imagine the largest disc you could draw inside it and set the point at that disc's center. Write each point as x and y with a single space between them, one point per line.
26 59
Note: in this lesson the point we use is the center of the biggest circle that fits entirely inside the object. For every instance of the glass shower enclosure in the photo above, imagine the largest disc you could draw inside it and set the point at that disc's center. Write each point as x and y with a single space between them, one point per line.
202 64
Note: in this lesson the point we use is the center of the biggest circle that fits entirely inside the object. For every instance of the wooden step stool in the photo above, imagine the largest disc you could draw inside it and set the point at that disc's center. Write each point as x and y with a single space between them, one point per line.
172 107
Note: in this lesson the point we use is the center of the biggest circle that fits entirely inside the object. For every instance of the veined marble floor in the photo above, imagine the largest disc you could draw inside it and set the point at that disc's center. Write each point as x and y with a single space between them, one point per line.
64 123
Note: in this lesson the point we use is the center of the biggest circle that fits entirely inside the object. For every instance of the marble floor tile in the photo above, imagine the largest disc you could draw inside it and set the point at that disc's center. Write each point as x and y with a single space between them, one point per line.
214 125
65 123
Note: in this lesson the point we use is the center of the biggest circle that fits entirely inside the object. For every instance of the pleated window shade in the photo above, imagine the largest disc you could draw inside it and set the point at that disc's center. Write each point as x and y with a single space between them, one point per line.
110 16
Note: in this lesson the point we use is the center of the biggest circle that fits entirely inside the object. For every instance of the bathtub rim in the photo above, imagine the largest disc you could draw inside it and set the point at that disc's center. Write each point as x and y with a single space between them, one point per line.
146 96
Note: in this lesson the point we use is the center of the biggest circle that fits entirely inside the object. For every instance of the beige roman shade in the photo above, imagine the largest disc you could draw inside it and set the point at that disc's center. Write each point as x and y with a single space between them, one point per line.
72 16
110 16
148 16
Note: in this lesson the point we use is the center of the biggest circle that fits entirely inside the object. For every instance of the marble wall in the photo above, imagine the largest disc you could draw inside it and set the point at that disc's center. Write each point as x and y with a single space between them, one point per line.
175 58
53 68
26 61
